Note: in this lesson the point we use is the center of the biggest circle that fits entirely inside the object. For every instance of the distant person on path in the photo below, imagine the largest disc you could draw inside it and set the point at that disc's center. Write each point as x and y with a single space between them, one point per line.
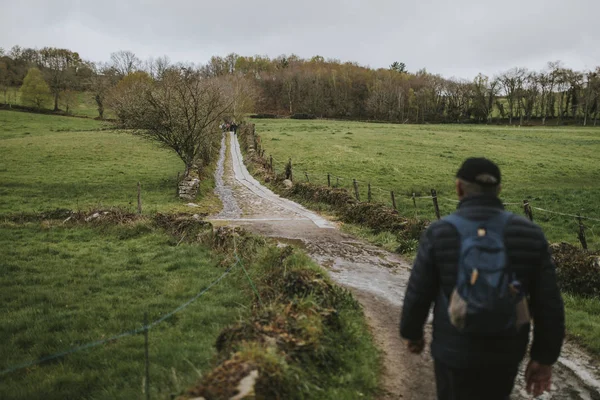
234 128
485 270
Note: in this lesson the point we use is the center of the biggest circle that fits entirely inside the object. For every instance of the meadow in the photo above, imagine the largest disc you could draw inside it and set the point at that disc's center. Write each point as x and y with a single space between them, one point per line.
51 162
62 286
67 283
83 105
554 168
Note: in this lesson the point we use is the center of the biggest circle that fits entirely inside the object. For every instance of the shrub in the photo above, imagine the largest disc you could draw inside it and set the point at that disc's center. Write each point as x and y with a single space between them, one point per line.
35 91
303 116
265 116
578 270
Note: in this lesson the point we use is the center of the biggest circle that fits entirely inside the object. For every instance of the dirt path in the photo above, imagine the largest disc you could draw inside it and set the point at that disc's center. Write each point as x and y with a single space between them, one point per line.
376 277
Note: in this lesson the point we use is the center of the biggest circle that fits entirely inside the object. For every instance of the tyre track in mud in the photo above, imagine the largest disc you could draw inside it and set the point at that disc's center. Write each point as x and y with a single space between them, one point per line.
376 277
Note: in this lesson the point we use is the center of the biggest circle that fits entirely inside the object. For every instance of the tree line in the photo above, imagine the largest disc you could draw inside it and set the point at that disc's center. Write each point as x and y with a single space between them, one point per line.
331 89
177 105
288 85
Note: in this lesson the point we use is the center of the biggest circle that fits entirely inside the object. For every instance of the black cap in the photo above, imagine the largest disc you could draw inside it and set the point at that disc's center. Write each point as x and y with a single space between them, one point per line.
473 168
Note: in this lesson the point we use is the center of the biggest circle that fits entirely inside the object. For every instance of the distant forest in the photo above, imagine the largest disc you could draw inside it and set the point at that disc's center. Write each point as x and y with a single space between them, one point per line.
325 88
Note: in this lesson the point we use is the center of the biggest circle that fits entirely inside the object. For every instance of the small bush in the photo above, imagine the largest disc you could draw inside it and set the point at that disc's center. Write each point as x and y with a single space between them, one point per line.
375 216
303 116
265 116
578 270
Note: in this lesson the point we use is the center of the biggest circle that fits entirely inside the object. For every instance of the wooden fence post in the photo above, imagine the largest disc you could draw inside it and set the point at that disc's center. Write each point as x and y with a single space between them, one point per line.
414 199
288 170
369 194
139 197
337 182
356 189
328 180
306 174
271 162
393 200
527 209
177 186
435 203
581 233
147 357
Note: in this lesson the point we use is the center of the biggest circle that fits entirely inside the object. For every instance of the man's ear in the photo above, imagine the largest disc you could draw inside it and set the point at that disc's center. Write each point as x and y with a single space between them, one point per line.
459 189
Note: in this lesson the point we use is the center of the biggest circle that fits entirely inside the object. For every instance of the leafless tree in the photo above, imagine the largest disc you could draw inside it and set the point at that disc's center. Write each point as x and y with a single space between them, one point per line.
101 82
125 62
60 67
242 93
512 85
485 92
592 94
156 67
182 111
545 81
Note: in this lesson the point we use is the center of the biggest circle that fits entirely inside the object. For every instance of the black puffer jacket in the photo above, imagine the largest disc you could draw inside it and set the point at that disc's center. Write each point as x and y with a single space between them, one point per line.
436 265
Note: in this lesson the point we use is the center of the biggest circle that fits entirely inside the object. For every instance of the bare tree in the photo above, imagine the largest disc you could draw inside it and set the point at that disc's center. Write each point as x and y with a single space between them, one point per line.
592 94
125 62
545 81
512 83
231 61
458 94
60 68
484 95
103 79
156 67
242 94
4 77
182 112
528 96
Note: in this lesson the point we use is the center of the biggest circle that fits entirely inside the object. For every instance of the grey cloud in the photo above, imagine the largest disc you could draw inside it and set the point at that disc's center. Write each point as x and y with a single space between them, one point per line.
458 38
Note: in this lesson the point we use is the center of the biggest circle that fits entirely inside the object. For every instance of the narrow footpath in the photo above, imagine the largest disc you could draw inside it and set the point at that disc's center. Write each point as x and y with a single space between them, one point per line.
376 277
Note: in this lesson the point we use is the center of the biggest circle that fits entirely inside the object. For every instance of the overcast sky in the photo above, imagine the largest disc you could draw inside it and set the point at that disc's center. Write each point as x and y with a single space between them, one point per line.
454 38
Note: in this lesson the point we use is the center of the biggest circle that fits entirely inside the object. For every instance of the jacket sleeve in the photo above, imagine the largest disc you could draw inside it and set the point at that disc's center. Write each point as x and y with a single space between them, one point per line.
420 292
547 311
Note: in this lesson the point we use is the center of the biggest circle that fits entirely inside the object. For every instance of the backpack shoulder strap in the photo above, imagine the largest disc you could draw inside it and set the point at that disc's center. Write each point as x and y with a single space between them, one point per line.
467 227
464 226
498 222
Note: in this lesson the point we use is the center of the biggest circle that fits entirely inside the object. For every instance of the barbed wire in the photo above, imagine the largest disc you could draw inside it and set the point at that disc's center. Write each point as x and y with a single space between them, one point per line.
447 199
399 196
565 214
132 332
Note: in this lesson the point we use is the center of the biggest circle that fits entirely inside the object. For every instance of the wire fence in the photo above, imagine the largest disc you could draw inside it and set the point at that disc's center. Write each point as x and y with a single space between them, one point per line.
393 197
144 329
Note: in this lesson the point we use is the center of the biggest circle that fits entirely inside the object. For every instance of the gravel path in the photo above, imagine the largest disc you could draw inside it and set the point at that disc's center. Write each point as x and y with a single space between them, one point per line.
376 277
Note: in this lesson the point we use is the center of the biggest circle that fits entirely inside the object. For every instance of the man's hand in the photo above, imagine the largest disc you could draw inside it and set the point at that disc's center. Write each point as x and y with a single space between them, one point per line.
538 378
415 346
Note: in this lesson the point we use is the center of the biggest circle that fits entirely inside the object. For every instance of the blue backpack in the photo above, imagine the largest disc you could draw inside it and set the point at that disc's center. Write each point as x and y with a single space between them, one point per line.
484 301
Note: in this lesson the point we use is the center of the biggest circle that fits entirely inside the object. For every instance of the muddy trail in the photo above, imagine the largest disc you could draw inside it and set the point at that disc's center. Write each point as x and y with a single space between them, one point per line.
376 277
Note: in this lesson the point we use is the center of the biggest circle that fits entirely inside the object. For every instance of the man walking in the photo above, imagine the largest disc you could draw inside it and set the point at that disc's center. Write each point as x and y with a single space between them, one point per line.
484 269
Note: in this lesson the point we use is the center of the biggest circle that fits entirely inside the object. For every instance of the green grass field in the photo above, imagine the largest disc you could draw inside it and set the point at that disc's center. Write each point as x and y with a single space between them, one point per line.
66 284
49 162
556 168
83 105
62 287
